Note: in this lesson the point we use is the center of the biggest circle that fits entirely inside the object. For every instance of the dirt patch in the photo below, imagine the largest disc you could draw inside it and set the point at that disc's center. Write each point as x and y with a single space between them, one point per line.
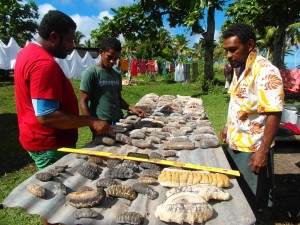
287 183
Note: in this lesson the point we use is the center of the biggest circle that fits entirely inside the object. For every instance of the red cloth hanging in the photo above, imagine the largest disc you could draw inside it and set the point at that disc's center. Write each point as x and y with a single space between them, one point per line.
171 69
152 66
134 68
142 66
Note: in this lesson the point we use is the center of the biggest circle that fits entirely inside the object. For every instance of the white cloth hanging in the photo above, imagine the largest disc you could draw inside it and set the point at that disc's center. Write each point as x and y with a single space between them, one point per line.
179 73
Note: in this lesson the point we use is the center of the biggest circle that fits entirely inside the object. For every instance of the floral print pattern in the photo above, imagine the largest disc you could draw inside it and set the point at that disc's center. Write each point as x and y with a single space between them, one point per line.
258 90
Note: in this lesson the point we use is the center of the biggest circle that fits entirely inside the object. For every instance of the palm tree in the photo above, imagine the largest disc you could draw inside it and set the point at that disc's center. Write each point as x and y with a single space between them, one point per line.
129 48
164 38
180 44
77 39
87 43
293 35
265 43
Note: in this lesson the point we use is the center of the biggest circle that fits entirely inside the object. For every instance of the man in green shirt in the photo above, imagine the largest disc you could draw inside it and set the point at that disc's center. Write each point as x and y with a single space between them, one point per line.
101 86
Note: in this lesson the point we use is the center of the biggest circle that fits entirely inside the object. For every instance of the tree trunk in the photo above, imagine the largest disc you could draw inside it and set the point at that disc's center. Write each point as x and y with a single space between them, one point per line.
278 59
209 41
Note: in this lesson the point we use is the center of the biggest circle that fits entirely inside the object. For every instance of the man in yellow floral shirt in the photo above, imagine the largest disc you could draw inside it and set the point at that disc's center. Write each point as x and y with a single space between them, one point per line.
254 113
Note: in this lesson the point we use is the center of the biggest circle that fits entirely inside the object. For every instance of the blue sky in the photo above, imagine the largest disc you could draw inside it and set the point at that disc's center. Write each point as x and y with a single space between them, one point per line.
88 14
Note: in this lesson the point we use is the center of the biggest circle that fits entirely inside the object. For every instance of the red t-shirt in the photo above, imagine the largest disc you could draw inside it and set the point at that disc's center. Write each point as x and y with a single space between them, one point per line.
37 75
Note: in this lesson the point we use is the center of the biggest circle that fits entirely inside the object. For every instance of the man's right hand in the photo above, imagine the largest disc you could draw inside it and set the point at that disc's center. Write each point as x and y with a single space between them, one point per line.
223 134
102 127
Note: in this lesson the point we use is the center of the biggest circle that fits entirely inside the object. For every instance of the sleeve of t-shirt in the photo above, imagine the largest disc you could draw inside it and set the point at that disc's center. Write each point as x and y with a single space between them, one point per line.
270 90
46 81
86 83
44 107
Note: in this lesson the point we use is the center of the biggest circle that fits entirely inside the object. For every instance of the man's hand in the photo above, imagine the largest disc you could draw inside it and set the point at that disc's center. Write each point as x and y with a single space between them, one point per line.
258 160
138 111
223 134
102 127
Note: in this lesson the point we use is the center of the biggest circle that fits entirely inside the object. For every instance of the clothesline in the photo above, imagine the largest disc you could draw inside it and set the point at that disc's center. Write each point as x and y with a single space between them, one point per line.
73 66
143 66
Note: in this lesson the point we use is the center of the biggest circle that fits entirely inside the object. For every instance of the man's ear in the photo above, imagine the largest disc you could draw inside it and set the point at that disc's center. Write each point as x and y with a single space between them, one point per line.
100 51
54 37
251 45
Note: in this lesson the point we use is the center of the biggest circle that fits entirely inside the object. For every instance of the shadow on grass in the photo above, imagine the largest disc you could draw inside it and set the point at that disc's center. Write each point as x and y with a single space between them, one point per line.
6 78
13 156
6 83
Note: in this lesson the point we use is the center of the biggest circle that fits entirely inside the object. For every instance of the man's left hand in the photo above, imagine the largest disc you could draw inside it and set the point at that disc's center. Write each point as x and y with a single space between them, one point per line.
258 160
138 112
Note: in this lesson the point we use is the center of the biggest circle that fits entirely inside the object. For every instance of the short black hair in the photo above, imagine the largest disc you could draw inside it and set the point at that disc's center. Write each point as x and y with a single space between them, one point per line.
243 31
110 43
56 21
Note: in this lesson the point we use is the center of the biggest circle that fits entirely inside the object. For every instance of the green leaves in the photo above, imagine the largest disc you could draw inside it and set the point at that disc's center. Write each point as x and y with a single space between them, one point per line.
270 18
18 20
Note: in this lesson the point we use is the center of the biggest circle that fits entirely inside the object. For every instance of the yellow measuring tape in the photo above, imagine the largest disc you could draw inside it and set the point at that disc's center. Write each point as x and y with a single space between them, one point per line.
156 161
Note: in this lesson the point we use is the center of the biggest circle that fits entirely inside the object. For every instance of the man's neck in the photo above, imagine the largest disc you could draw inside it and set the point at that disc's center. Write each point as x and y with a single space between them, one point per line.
240 70
101 65
44 44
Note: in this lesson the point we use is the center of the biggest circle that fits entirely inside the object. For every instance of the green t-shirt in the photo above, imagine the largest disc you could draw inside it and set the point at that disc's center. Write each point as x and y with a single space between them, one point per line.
104 87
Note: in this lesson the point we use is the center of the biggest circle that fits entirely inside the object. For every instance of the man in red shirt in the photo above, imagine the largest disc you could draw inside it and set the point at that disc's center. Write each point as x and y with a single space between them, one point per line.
47 107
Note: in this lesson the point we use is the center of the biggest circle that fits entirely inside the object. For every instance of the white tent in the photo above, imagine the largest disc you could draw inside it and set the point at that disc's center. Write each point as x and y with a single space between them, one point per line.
73 66
8 54
63 65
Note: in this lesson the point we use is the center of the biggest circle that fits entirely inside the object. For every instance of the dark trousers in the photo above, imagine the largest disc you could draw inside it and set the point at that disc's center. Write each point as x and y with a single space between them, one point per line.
257 188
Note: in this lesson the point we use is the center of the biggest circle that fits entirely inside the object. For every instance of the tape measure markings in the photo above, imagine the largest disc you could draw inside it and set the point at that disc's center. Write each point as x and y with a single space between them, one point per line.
156 161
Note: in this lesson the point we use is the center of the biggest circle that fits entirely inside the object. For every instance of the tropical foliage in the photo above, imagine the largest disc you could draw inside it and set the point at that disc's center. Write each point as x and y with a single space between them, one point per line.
77 39
271 19
143 21
18 20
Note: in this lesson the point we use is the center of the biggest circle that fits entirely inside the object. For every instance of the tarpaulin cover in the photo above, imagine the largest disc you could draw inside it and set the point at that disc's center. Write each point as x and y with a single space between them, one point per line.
235 211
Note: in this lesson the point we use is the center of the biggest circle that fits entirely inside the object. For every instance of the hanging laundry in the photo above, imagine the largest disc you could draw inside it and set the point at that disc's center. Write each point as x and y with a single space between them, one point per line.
195 70
152 66
179 73
186 72
142 66
156 66
167 65
134 68
171 68
164 70
124 64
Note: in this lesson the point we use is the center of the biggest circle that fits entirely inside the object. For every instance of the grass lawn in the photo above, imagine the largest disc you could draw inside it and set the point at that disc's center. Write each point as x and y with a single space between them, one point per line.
16 165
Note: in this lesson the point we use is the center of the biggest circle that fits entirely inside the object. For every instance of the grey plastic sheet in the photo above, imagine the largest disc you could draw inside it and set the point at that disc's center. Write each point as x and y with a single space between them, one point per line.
52 206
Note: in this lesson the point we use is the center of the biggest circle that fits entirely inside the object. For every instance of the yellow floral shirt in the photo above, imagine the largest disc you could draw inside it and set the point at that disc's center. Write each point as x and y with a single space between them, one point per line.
259 89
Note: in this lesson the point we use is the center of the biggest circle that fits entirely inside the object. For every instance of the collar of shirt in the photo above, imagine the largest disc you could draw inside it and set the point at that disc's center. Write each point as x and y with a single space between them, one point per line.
249 63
